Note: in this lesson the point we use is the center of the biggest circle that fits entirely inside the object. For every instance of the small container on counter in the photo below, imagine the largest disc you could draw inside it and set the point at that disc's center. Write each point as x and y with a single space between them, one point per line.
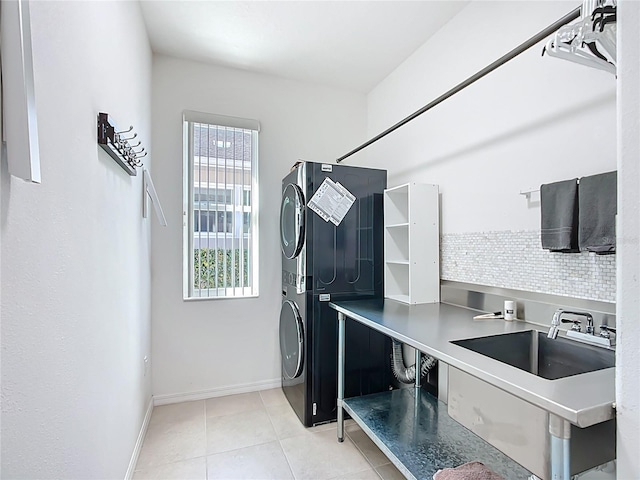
510 310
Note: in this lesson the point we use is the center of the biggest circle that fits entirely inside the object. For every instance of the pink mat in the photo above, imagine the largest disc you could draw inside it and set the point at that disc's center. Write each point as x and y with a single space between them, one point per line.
468 471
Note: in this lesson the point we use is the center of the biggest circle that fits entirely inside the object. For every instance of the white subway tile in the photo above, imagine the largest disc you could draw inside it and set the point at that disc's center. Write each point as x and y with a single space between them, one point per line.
515 259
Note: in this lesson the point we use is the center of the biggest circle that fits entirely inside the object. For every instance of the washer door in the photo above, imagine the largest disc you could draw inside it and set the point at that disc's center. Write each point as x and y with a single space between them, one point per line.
291 340
292 221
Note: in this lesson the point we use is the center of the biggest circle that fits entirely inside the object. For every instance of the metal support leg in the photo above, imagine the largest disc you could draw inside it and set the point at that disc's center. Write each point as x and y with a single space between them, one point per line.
418 359
416 399
341 323
560 431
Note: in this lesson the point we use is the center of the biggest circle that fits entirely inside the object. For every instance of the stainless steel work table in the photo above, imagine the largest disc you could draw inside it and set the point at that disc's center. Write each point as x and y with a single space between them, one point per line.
582 400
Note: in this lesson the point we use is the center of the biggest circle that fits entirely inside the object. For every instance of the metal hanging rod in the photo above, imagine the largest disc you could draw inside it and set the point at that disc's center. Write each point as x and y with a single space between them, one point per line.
575 13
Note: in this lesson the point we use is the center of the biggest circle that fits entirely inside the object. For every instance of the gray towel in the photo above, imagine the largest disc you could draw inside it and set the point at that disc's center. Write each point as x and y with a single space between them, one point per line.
468 471
559 216
598 208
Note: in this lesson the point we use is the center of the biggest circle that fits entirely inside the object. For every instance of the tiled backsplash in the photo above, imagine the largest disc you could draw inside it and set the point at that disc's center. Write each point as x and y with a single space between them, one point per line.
516 260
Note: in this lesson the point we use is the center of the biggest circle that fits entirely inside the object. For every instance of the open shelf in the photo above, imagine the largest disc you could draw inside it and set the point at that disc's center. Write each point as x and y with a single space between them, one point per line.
416 433
397 225
412 243
396 277
396 209
396 241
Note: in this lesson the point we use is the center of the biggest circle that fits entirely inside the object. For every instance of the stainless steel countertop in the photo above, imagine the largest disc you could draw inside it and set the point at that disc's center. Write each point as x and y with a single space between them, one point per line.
583 400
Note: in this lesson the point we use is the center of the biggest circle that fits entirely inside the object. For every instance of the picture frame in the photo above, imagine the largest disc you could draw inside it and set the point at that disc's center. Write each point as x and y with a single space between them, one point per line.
20 123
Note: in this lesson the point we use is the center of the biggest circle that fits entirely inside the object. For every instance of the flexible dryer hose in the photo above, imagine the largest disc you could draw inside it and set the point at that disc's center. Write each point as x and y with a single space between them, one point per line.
408 374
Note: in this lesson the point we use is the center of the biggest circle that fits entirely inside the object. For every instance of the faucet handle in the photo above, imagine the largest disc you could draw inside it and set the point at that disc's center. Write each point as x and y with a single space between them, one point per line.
605 329
576 324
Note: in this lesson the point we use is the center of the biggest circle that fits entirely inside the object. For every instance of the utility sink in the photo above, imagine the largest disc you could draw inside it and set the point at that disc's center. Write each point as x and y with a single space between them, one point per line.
534 352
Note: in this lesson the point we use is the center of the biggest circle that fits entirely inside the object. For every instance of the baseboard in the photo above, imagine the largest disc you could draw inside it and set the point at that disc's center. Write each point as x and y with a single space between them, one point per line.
138 446
216 392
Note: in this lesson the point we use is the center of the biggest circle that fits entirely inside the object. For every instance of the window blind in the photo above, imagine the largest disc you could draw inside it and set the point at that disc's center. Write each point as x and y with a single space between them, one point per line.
221 206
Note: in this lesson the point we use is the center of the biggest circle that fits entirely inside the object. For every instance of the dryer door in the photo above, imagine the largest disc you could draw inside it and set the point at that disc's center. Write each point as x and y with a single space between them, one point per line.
291 340
292 221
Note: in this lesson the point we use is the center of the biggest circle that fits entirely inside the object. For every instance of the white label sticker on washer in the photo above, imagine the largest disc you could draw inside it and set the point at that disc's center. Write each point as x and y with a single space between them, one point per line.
325 297
331 201
327 168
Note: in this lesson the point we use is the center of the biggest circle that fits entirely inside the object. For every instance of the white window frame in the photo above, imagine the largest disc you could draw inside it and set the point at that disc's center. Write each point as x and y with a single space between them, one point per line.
189 291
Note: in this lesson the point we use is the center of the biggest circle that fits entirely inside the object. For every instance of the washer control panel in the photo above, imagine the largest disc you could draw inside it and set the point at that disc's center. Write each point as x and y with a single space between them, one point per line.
289 278
293 280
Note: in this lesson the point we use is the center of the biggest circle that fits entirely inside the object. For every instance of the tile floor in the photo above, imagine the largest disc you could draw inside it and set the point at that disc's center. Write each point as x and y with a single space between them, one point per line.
253 436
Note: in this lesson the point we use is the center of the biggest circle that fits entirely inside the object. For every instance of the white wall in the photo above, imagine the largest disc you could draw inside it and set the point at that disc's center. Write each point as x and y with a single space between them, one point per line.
534 120
75 255
217 346
628 303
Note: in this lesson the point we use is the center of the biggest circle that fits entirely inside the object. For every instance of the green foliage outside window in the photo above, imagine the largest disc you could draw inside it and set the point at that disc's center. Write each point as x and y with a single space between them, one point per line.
211 264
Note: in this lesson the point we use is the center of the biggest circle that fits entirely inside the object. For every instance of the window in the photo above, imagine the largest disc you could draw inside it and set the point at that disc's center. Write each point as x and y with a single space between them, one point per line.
220 206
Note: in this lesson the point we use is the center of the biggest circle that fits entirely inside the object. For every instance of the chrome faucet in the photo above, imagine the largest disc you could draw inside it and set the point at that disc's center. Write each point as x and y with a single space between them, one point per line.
555 324
589 336
557 319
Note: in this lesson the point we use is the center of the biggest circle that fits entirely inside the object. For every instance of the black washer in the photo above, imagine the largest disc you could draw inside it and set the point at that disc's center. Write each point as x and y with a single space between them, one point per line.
291 340
292 221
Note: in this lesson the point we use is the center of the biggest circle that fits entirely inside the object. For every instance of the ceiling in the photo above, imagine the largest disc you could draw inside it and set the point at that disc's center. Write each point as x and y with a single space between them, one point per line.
345 44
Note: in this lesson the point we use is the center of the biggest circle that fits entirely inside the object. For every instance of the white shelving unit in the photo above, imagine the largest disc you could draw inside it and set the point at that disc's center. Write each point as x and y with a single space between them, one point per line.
412 243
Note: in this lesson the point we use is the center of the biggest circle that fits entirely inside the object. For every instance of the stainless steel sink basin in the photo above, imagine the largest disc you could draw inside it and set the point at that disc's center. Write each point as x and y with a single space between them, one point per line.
533 352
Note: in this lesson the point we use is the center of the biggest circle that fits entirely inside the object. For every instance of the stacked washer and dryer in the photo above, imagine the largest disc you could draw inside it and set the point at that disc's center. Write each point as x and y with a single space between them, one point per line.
322 262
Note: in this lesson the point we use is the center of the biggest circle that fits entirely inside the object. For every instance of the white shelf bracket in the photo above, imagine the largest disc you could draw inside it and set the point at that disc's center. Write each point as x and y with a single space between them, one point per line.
149 192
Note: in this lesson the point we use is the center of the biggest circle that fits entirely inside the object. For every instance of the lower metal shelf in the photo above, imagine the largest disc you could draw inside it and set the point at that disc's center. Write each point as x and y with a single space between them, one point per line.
417 434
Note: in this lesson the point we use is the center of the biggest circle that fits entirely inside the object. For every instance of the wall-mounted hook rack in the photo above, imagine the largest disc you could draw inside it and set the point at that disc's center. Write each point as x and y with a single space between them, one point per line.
116 144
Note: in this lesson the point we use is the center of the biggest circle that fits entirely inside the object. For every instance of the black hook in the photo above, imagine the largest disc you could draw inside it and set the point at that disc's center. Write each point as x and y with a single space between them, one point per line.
603 11
604 21
609 11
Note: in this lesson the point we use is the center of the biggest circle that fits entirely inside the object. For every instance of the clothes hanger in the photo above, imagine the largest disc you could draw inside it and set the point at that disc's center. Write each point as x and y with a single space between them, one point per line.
607 40
570 41
555 49
601 12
